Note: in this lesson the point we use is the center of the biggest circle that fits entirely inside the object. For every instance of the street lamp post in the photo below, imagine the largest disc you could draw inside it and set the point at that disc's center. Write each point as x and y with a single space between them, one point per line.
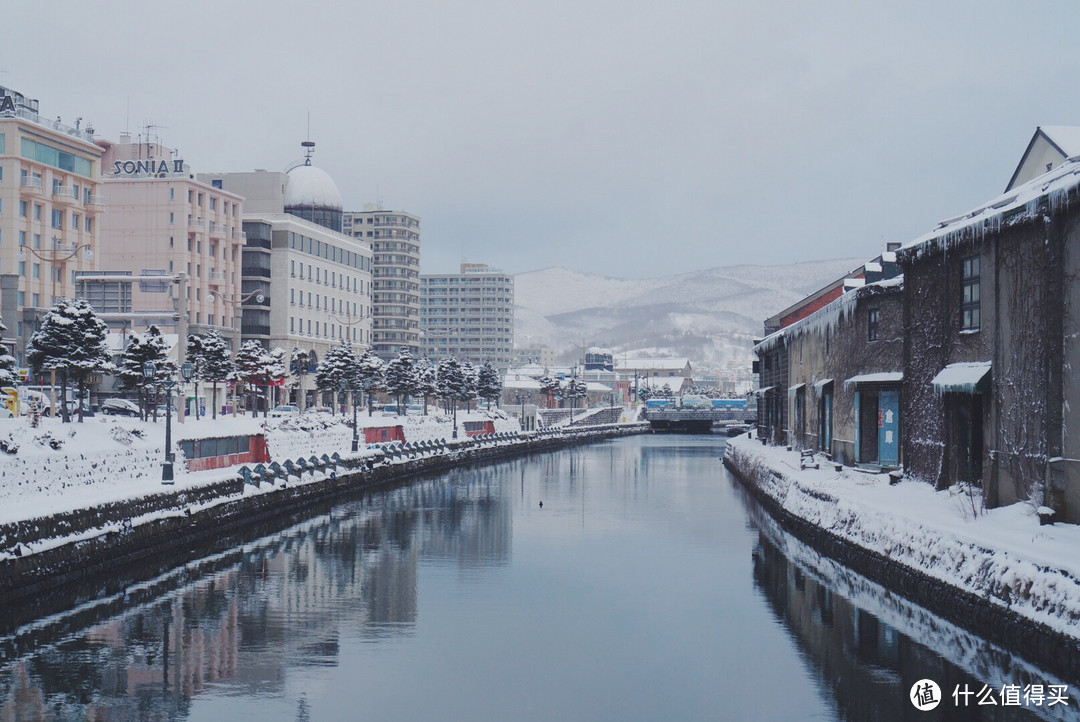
367 393
355 429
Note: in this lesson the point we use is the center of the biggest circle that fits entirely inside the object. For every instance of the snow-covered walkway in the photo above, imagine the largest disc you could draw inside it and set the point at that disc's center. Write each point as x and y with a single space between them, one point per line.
1002 554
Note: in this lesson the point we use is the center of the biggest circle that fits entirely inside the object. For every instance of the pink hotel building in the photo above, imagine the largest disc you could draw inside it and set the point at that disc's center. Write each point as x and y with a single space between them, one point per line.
161 222
51 205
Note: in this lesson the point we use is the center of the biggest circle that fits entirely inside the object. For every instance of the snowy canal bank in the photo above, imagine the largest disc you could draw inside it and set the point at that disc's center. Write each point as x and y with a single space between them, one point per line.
995 571
77 500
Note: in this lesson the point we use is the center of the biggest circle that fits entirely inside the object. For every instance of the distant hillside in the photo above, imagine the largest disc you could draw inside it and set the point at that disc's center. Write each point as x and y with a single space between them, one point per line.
708 316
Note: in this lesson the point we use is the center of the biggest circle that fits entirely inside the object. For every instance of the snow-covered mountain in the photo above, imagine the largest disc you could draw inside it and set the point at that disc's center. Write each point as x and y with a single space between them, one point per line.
708 316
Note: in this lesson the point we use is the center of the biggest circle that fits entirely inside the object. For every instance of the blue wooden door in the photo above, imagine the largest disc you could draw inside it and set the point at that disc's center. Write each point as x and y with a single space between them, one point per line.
889 428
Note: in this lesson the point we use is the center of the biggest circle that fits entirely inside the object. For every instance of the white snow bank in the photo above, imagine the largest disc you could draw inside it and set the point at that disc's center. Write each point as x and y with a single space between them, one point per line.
1002 554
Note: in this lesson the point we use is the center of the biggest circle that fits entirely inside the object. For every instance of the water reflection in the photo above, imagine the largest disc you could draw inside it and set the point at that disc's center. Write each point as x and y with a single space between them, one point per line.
282 604
868 645
649 586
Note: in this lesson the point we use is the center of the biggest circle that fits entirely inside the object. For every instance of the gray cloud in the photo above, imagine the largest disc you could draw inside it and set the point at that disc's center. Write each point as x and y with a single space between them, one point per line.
626 138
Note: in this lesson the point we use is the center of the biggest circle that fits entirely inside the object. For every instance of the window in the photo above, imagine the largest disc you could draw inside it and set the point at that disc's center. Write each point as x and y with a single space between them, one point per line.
57 218
37 211
22 209
89 223
970 309
172 194
873 319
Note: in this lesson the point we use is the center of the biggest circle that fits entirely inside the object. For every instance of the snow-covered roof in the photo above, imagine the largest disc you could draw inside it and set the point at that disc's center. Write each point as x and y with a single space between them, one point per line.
882 377
658 382
762 391
960 377
1018 204
594 386
517 381
792 390
820 384
309 187
654 364
829 315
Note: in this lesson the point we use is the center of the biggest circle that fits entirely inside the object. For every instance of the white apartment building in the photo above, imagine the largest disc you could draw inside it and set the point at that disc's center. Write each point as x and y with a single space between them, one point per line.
50 205
468 315
394 238
314 282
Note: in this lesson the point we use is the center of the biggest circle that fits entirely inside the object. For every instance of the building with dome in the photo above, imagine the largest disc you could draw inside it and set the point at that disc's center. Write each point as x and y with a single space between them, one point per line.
311 194
314 281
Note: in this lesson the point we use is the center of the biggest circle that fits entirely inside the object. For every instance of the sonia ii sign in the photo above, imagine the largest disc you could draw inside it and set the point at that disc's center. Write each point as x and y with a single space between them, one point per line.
149 167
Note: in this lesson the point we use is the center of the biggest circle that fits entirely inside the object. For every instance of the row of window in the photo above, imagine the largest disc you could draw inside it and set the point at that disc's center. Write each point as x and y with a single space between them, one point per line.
56 158
333 305
327 277
325 329
329 251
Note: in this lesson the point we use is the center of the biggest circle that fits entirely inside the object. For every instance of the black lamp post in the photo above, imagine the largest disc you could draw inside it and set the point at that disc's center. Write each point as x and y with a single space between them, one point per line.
455 418
149 373
355 429
367 393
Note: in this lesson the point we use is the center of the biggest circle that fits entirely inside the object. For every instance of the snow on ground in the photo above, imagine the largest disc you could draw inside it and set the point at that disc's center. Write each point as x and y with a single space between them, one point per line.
1002 554
61 467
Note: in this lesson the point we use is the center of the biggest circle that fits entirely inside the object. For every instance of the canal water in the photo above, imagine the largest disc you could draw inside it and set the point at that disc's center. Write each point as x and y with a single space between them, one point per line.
631 579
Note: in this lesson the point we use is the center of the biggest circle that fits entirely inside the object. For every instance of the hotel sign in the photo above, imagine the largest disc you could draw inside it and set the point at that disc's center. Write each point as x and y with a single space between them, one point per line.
7 104
147 167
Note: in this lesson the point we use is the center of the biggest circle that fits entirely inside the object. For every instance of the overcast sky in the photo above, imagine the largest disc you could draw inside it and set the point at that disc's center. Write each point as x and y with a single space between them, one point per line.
623 138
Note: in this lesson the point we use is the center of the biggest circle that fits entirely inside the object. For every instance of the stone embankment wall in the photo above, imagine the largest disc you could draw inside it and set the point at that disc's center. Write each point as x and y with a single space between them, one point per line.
980 614
177 525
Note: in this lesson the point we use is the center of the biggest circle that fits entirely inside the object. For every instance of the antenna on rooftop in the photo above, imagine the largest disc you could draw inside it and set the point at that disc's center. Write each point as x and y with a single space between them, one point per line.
309 144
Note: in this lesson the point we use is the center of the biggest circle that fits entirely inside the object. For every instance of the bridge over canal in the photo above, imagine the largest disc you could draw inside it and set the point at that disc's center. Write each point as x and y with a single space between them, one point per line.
696 421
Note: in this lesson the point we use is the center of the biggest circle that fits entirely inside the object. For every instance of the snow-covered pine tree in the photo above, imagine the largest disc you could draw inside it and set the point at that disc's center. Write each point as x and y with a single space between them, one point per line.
338 363
70 341
299 365
277 368
369 370
425 382
574 390
468 391
549 386
193 354
489 383
450 382
251 365
7 361
148 346
217 365
400 377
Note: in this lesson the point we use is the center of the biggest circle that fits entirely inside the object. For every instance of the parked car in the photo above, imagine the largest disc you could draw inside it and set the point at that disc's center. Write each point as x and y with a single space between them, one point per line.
286 410
119 407
318 410
73 409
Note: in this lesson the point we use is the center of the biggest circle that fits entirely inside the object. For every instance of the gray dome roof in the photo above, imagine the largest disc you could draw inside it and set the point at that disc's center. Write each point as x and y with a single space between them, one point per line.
311 187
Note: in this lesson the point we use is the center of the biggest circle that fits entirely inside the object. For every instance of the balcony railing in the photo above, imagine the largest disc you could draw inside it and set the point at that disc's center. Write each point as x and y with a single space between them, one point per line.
196 223
96 200
65 192
30 182
217 277
239 236
218 228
